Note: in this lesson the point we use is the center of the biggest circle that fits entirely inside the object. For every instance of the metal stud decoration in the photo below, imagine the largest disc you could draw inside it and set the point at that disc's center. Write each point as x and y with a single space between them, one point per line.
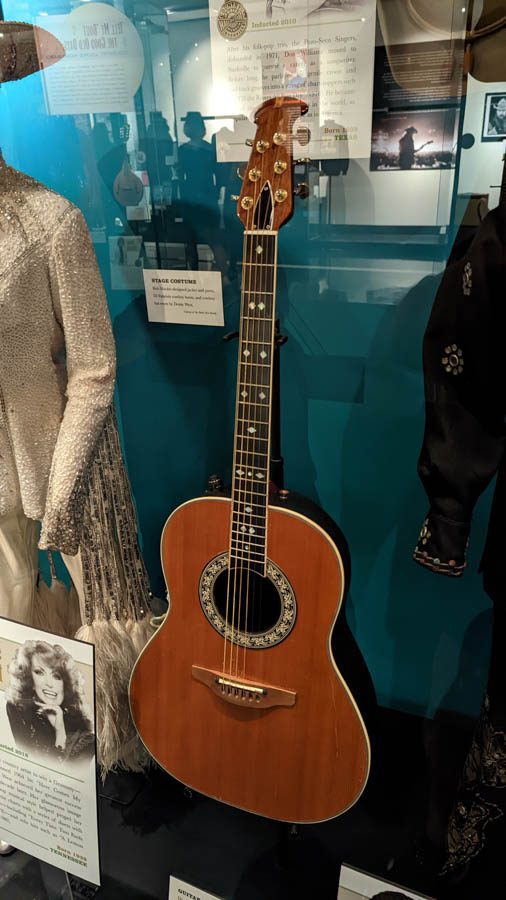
453 360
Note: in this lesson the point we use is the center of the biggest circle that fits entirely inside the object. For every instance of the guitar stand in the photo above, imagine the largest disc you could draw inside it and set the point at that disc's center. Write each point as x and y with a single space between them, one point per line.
276 462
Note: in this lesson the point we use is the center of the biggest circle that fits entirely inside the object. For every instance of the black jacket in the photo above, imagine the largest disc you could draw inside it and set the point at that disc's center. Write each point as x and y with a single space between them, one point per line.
464 360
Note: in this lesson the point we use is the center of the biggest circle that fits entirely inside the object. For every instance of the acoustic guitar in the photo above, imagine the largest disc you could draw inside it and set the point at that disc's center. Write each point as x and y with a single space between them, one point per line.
238 694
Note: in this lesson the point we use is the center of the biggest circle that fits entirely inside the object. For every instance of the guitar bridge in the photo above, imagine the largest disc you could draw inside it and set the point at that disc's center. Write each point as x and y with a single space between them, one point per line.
241 692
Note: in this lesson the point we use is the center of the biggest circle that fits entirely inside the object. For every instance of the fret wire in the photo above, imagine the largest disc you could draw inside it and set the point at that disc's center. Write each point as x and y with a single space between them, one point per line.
247 402
259 365
243 534
244 524
246 558
241 480
256 468
260 291
254 555
253 540
252 421
250 495
251 437
251 516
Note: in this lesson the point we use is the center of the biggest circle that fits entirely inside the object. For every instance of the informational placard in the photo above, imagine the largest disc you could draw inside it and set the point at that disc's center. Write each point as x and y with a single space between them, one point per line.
357 885
103 65
322 52
184 297
181 890
428 73
48 794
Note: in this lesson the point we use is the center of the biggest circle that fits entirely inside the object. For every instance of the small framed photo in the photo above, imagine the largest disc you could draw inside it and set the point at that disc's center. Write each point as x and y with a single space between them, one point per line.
494 118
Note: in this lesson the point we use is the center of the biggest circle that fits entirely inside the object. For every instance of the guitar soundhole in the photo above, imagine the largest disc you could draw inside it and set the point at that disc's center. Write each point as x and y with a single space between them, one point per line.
264 610
254 605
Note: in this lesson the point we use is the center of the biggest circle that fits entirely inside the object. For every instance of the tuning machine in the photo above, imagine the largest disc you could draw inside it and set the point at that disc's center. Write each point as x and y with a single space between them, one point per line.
241 171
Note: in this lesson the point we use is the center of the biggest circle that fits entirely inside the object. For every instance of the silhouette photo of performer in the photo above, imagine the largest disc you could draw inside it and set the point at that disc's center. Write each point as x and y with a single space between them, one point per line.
407 148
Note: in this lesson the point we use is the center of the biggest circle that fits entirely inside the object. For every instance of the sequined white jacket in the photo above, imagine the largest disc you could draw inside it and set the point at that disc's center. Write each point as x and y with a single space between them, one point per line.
57 356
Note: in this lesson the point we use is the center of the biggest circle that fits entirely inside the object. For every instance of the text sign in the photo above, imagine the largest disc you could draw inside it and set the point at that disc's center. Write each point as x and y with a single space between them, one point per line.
181 890
184 297
48 791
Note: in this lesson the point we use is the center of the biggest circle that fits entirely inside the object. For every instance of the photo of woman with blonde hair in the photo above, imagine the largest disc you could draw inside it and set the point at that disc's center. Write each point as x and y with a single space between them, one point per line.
46 707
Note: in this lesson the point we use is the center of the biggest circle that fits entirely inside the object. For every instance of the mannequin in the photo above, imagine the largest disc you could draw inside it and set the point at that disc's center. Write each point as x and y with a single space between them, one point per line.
61 469
464 449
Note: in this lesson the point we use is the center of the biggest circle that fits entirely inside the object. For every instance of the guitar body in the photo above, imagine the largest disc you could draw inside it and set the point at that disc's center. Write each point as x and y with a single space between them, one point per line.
306 757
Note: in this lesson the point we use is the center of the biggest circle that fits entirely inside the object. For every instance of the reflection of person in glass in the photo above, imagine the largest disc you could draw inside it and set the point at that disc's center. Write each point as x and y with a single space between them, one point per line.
120 252
45 703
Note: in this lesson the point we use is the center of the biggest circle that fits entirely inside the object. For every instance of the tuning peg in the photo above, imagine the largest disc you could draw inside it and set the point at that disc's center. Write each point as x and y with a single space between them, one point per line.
249 142
241 171
303 161
234 196
302 190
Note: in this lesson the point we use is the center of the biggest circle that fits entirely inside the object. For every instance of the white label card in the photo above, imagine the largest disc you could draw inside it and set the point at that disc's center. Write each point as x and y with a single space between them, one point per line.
48 791
184 297
181 890
357 885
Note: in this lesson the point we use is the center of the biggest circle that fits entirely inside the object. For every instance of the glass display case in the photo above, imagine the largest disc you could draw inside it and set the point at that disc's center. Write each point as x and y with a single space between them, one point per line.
312 394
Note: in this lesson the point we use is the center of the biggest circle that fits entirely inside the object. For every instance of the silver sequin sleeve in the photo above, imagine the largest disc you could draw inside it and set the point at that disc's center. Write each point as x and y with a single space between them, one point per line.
80 309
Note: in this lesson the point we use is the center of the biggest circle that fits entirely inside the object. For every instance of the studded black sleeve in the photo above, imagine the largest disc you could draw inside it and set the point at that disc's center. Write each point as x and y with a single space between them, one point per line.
464 361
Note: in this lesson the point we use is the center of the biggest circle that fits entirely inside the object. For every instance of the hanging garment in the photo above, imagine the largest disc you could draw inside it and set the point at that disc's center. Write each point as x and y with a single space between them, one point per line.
463 449
63 464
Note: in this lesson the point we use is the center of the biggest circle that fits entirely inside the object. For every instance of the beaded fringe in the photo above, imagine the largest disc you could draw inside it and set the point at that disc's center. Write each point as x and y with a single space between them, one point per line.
116 599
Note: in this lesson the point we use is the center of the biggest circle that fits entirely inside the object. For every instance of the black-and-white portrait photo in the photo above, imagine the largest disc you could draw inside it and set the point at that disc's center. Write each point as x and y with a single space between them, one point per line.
46 705
494 118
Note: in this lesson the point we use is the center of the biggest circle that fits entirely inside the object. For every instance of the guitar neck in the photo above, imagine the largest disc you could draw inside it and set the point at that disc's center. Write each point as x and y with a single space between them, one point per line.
252 436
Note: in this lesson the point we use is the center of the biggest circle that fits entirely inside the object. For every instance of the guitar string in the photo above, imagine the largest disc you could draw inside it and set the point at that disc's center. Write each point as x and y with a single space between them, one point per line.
243 342
255 272
251 347
260 327
266 281
250 416
260 322
228 632
250 341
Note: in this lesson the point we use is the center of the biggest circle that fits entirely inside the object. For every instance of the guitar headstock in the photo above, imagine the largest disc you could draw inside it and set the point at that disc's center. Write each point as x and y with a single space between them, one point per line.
266 198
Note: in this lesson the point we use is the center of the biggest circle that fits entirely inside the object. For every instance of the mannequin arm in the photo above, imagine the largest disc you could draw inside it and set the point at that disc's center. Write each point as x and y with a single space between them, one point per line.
80 308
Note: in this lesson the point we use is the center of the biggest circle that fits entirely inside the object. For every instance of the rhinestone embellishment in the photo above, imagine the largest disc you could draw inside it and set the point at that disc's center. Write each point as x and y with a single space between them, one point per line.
453 360
467 279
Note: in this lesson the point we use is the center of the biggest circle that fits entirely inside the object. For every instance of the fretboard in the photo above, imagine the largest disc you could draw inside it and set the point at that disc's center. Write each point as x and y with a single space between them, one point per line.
250 475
